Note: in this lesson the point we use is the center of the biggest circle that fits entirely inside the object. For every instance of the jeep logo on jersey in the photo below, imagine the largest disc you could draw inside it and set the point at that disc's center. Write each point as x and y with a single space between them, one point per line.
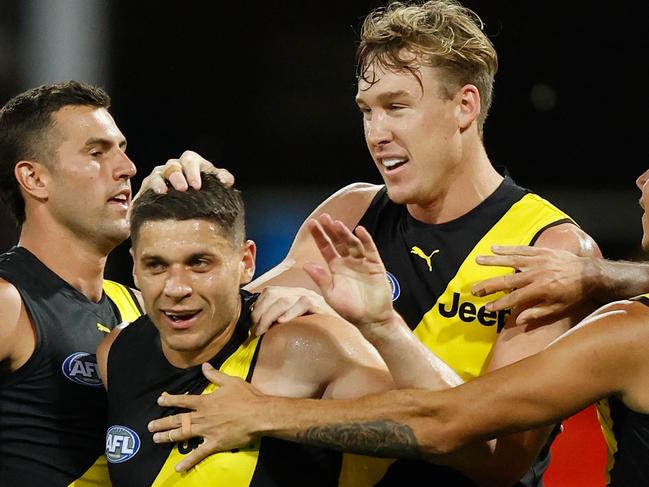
468 312
81 367
394 285
122 444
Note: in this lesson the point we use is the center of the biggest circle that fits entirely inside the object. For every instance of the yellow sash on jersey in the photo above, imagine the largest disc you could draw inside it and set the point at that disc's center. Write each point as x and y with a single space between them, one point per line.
466 344
120 295
97 474
226 468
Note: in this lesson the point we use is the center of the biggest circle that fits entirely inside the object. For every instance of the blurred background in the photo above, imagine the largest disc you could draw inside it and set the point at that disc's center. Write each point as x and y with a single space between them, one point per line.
267 90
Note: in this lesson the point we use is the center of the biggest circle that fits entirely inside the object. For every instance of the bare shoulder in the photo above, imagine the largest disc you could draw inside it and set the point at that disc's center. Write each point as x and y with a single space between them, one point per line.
349 203
320 335
17 338
568 236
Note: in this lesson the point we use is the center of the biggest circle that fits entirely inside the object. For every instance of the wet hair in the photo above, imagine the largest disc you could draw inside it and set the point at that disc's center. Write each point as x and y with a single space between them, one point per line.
440 34
25 129
214 202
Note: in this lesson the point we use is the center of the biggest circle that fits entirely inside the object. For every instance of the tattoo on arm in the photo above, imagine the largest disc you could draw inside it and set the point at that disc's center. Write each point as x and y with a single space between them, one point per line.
377 438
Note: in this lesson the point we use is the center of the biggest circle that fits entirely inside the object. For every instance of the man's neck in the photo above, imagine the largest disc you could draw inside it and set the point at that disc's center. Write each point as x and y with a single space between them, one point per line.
470 185
75 260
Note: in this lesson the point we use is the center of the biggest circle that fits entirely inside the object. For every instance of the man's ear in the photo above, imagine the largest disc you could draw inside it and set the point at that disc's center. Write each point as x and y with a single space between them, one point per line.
130 251
33 178
249 253
469 105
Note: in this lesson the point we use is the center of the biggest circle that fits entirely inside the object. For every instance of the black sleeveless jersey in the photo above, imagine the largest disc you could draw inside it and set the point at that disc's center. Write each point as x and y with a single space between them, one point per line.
431 268
627 438
53 408
138 373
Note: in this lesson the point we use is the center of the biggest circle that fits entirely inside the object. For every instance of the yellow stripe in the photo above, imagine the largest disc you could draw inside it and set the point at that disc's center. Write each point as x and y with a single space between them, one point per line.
466 345
606 423
226 468
95 476
120 295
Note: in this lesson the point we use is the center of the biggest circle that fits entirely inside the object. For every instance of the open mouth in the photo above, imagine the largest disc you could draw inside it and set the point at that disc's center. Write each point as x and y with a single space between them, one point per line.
392 163
181 319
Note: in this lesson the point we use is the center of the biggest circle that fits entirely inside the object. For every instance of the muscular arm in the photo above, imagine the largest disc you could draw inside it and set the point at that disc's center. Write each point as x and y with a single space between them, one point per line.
605 355
17 336
513 454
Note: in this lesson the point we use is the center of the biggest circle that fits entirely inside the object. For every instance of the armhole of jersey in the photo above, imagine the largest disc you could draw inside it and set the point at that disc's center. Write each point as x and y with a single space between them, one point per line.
550 225
124 299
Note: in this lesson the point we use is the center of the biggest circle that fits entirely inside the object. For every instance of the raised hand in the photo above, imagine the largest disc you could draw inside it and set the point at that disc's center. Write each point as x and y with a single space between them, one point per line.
355 283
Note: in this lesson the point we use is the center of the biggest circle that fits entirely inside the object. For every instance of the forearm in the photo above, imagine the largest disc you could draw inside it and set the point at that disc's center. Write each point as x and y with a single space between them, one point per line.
383 425
411 364
613 280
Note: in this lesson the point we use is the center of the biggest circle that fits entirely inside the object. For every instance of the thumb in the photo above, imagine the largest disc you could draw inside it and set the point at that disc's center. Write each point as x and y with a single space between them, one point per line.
215 376
318 274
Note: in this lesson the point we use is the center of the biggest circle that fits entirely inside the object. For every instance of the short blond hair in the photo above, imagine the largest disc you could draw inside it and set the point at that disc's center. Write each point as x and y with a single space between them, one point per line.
438 33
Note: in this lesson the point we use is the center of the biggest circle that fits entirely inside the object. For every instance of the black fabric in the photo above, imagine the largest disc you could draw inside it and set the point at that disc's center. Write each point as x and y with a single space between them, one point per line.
52 424
138 373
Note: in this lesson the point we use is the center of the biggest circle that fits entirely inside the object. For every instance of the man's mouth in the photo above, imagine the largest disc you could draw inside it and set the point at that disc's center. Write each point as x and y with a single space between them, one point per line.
392 163
181 319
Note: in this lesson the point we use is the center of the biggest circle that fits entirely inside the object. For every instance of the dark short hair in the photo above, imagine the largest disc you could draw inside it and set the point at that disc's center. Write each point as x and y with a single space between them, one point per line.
214 202
25 123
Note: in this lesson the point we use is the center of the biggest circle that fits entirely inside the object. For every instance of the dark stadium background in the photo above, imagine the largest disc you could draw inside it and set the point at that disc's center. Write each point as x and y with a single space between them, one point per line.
266 90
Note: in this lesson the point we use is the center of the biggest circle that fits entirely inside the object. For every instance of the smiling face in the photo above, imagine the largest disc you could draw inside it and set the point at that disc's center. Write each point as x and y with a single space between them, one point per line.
89 189
189 274
641 182
413 131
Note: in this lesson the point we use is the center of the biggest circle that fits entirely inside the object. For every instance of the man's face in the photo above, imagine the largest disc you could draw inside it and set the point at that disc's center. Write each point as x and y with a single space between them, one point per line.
641 182
189 274
90 190
411 132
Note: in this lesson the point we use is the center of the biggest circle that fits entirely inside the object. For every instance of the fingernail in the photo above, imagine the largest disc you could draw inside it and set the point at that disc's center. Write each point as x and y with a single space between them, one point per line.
157 438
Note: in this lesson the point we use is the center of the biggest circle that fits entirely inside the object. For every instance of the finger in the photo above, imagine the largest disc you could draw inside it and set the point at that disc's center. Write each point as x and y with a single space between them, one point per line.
187 401
191 165
173 172
153 181
268 316
541 314
371 252
164 424
525 250
197 455
301 307
316 272
519 298
515 261
168 436
226 177
216 376
322 240
348 239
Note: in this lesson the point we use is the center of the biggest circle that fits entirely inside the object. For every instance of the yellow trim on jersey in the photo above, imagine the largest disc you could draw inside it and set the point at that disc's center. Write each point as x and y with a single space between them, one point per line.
462 341
234 469
606 424
95 476
120 295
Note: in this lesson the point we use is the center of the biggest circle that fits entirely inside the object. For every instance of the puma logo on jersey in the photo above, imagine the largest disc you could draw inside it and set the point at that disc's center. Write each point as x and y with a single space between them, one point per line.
420 253
103 328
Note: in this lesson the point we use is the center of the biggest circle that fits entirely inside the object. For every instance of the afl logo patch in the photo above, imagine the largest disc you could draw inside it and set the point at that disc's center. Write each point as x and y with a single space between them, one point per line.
122 444
81 367
394 285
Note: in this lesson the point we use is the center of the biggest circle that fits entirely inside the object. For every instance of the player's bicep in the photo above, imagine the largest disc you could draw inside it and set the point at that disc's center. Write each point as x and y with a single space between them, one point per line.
17 336
103 351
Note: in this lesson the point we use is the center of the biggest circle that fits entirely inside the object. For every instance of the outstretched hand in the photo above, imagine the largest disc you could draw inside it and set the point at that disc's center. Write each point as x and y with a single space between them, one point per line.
355 283
183 173
222 418
550 282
